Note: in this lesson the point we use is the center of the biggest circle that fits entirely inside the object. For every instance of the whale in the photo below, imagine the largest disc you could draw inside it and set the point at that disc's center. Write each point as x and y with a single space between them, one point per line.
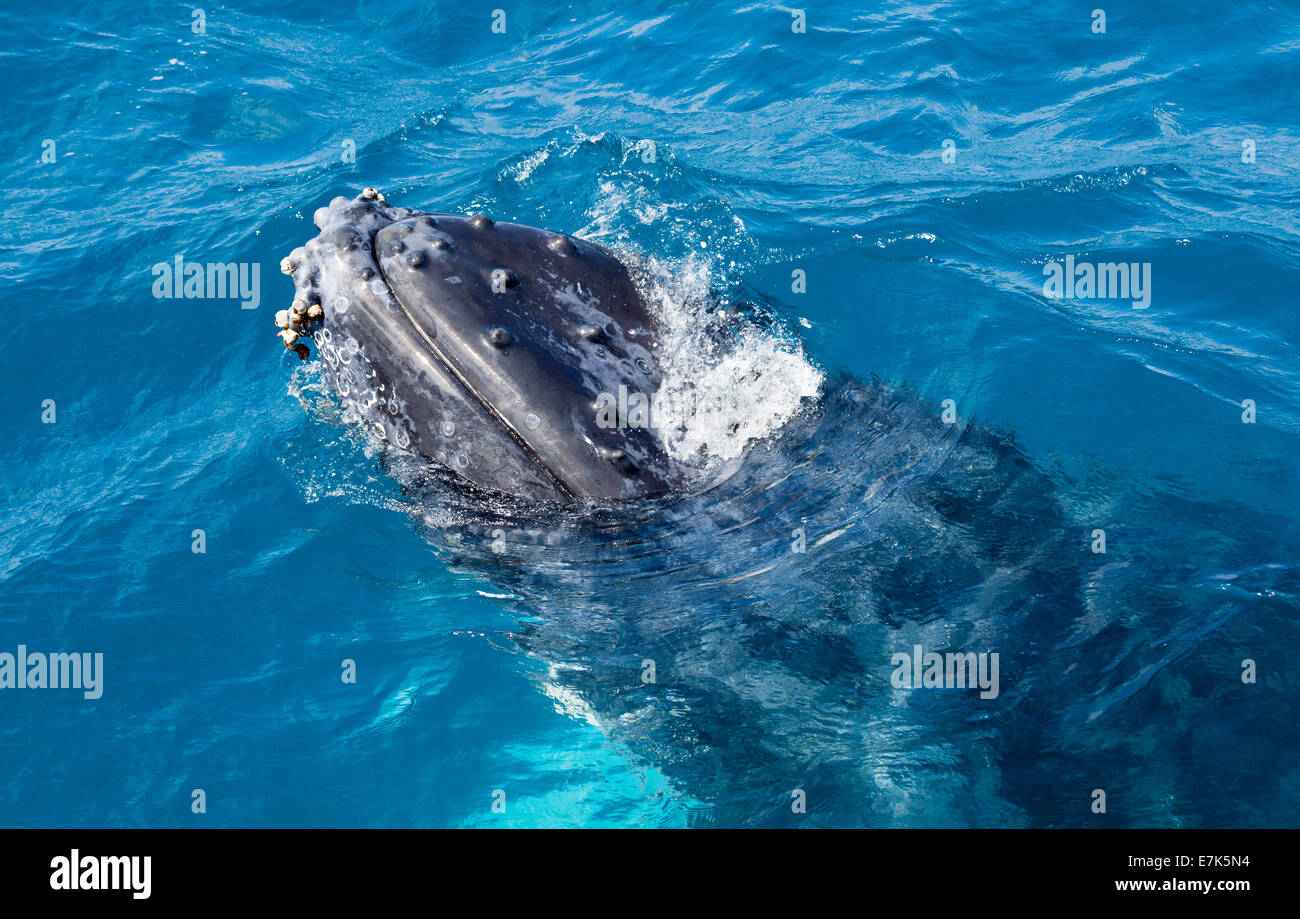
480 350
482 346
742 641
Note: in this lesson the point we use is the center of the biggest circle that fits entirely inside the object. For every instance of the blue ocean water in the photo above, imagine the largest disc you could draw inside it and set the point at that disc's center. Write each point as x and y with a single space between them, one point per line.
733 151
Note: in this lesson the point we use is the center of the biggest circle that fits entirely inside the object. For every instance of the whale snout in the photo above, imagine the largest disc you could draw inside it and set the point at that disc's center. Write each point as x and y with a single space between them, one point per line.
483 346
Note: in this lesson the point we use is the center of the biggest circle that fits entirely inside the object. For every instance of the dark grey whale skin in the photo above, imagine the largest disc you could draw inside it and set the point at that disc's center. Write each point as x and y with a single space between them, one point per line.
484 347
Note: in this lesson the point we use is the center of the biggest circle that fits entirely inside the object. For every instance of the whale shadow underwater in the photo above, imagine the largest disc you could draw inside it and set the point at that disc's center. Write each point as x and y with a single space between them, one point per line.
730 602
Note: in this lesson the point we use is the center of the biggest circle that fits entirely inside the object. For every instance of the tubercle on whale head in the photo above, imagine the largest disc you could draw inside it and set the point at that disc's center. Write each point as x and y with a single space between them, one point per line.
482 346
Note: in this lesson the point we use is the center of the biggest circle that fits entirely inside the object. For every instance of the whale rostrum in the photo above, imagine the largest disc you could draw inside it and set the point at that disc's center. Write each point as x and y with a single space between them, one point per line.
481 345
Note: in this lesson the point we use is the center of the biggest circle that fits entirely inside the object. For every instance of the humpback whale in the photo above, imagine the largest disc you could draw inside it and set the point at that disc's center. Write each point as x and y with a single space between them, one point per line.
483 346
741 639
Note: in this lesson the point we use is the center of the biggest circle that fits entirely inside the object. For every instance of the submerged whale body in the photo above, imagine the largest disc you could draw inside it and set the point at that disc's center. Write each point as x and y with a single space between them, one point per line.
482 346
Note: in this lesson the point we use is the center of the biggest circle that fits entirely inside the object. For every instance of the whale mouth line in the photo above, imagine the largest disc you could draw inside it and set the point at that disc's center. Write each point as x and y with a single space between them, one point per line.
562 486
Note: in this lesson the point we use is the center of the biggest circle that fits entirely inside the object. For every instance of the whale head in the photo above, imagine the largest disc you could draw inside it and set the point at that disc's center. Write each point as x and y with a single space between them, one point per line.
490 348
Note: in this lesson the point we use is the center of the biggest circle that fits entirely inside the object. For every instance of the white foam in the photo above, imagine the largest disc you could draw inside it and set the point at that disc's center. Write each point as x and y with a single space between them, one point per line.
729 381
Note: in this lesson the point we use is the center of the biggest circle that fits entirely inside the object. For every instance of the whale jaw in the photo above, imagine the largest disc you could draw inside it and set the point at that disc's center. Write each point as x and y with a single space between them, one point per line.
486 347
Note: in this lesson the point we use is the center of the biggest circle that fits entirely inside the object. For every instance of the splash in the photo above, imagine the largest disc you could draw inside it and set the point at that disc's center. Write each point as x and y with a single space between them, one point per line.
731 379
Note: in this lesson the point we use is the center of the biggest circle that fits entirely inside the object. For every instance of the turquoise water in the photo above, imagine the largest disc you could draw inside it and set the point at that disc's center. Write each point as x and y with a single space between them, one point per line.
732 152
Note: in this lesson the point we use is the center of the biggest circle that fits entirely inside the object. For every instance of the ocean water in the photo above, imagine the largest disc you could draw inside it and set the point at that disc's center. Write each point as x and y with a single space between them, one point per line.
920 165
